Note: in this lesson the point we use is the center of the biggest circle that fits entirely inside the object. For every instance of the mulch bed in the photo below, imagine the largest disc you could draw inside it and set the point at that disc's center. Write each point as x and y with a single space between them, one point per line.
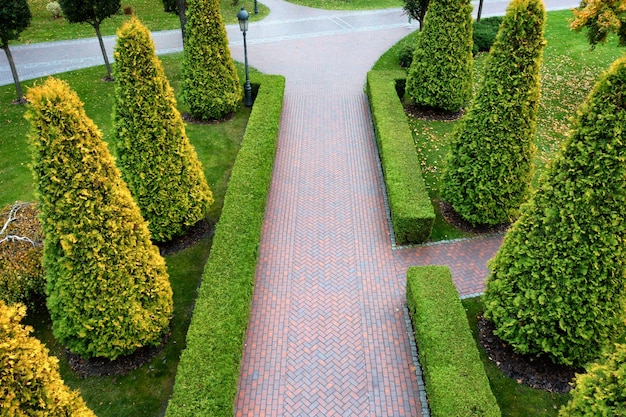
428 113
453 218
194 234
530 370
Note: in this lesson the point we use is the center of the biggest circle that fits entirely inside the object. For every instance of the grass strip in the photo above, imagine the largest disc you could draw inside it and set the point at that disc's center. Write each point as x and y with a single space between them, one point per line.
206 381
412 213
456 383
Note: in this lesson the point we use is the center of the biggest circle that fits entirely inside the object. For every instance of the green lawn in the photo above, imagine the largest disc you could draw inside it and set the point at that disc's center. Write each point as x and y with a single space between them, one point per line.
568 73
145 391
44 28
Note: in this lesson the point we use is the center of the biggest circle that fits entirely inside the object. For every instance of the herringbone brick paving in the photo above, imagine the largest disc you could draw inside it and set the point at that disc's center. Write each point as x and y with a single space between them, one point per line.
327 334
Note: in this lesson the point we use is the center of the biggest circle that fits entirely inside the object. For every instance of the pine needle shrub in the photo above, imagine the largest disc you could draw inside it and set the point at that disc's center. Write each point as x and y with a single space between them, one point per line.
30 383
601 391
440 75
157 161
557 283
22 278
210 83
107 285
489 167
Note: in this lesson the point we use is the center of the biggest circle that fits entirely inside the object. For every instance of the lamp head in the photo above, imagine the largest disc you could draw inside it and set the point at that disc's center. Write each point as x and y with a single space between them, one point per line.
242 16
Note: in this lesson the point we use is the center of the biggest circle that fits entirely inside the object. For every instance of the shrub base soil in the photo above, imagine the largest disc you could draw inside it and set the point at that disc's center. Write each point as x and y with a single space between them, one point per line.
534 371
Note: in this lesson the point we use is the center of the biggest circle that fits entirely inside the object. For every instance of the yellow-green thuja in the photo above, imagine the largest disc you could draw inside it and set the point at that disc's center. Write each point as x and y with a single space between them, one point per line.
210 83
440 75
107 285
557 283
30 383
489 167
157 161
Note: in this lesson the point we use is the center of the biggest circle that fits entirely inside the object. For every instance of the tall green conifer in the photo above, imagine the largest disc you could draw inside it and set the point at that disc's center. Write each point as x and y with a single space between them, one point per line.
157 161
489 167
210 82
557 283
107 285
440 75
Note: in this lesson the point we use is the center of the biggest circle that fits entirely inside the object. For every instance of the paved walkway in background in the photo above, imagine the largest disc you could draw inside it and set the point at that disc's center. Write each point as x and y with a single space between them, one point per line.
327 335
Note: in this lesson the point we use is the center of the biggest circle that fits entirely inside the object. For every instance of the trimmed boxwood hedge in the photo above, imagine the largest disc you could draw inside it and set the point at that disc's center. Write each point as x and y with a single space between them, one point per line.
208 373
412 213
456 383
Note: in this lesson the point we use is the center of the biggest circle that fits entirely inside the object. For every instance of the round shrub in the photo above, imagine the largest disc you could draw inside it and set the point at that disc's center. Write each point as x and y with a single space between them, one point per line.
30 383
54 8
485 33
21 248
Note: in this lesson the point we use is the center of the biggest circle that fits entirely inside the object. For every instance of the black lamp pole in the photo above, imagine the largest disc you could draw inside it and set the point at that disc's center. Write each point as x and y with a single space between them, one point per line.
242 16
256 7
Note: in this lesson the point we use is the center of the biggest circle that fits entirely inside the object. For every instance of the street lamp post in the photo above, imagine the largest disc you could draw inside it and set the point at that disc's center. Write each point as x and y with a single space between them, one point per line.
256 7
242 16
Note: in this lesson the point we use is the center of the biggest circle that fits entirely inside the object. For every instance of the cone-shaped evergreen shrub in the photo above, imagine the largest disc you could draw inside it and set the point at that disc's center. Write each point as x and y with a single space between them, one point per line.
602 390
440 75
107 285
557 283
30 383
489 167
210 82
157 161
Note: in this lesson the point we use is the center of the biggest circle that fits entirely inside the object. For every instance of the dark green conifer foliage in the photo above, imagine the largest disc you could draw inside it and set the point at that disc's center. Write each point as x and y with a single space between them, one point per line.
440 75
489 167
557 283
157 161
107 286
210 82
600 391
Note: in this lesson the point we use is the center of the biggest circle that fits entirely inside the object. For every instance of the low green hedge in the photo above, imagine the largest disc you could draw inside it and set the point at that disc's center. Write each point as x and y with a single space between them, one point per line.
207 376
456 383
412 213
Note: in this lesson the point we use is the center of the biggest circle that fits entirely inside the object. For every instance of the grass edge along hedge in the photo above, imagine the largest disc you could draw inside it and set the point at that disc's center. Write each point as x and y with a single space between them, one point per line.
412 213
208 373
455 379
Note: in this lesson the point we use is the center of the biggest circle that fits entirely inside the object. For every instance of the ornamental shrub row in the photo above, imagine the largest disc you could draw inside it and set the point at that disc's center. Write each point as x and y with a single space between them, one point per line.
208 373
412 213
456 383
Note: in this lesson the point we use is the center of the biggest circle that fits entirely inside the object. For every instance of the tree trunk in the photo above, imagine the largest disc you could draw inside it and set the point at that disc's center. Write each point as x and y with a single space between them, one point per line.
182 15
480 10
96 26
16 80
